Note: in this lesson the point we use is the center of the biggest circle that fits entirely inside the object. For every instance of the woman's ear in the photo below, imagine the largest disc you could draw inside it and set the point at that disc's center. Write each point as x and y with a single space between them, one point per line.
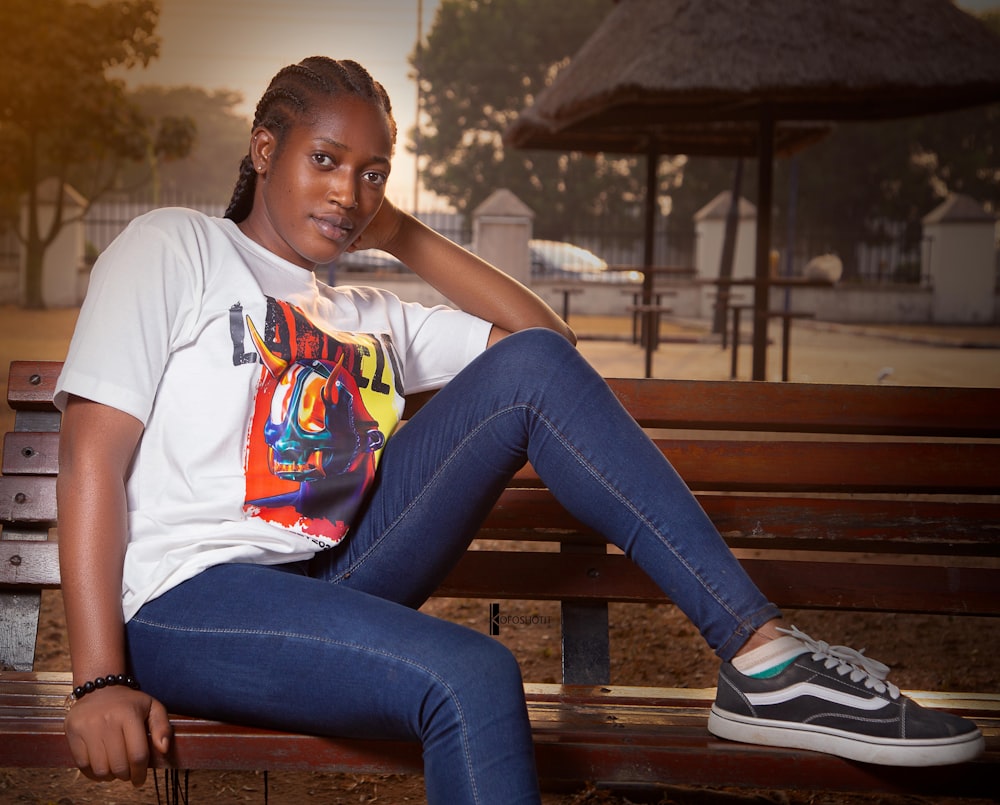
262 145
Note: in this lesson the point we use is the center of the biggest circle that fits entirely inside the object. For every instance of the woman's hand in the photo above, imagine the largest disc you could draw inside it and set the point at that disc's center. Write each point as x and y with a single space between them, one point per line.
110 733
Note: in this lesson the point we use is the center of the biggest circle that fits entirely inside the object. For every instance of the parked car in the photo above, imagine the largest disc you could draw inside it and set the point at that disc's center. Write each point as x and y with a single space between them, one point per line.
556 259
550 259
369 260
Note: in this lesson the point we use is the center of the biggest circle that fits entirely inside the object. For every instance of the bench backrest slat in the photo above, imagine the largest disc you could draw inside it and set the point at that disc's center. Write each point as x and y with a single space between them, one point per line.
31 384
789 583
29 564
733 465
812 407
798 466
725 405
842 467
28 499
31 453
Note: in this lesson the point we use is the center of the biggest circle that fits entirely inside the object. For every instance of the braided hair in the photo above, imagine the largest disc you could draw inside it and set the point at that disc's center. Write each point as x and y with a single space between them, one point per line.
293 93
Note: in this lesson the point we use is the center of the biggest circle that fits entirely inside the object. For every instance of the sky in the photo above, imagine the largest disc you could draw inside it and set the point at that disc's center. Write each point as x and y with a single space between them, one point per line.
240 44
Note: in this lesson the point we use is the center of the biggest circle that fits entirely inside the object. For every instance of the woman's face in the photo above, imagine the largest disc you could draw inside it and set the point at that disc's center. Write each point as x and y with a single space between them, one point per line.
321 188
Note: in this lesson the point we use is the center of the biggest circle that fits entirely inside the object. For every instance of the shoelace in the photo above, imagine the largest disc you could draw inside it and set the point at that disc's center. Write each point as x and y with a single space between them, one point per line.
848 660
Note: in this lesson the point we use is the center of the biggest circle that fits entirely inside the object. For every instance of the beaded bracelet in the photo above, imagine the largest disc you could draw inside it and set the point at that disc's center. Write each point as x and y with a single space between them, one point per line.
103 682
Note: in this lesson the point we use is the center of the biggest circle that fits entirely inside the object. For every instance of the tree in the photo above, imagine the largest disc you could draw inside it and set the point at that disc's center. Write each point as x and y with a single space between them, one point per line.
208 172
60 114
850 184
469 100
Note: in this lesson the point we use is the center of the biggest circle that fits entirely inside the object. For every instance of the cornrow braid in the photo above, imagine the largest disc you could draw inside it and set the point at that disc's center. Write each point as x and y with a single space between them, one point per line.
292 94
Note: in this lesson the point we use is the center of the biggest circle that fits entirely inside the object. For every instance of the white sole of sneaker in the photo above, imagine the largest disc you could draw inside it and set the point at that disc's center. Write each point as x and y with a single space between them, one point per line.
878 751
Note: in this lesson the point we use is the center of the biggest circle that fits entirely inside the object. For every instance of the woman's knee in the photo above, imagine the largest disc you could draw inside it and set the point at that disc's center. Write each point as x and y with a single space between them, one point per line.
485 661
539 341
481 675
538 357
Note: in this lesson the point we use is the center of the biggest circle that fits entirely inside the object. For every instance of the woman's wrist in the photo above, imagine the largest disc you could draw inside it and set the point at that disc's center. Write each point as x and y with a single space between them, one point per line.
397 234
101 682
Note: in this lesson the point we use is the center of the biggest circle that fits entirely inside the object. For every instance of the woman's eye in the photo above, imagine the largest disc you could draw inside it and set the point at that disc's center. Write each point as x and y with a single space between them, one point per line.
375 177
323 159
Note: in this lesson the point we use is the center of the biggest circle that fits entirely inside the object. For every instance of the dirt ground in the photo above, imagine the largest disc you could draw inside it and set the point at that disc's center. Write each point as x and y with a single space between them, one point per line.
650 645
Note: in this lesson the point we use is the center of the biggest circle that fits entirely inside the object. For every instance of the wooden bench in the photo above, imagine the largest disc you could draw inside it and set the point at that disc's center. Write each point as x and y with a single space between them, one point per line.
868 498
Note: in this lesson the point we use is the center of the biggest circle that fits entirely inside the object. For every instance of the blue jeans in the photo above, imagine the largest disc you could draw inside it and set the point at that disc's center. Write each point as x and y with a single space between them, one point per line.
336 647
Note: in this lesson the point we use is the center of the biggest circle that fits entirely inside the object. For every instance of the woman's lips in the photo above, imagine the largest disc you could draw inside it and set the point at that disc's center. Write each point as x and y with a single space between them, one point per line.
337 228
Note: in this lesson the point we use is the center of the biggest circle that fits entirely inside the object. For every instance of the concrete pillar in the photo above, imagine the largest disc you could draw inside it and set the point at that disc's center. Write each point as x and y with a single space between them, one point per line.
710 228
501 228
64 258
959 256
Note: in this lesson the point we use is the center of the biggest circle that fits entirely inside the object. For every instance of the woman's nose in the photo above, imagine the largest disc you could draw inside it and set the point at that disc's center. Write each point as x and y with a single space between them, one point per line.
343 192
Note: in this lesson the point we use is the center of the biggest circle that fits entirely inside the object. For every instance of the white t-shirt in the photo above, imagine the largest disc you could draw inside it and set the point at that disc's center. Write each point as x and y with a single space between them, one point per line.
266 395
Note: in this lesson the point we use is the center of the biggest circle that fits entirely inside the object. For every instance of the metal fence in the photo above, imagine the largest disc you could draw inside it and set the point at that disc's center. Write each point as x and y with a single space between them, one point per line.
896 259
106 219
893 257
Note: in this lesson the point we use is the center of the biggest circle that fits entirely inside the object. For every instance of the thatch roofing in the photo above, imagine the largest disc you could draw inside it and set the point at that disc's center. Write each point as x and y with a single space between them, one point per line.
716 138
669 62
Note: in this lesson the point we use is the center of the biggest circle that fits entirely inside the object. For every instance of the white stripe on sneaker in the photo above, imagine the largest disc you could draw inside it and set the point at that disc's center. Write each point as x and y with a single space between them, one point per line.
816 691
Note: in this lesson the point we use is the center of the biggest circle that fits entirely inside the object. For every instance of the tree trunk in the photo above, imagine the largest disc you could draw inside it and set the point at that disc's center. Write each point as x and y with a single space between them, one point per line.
34 261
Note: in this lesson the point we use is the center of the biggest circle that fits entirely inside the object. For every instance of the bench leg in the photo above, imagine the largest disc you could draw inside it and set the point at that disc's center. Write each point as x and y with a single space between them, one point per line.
586 650
586 646
18 629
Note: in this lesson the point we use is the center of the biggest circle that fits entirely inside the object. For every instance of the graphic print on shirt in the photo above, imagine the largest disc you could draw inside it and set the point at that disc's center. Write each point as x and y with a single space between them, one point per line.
324 407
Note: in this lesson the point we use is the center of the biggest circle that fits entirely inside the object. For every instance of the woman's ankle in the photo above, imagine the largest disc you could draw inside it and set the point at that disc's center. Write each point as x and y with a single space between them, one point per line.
764 634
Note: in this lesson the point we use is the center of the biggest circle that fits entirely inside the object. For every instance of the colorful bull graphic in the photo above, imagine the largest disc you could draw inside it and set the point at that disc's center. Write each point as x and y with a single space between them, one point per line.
319 435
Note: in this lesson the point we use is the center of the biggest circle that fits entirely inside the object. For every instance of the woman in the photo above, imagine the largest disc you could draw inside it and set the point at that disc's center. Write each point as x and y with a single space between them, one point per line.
245 531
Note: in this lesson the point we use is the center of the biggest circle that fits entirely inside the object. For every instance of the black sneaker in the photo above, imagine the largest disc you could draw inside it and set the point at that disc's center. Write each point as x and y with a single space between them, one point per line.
836 700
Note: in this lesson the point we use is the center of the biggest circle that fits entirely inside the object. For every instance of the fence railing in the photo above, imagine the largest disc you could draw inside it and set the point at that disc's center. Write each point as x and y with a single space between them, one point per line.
893 261
105 220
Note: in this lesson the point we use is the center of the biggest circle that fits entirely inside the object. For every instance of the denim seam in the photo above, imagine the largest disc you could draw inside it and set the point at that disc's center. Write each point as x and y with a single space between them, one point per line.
358 647
582 461
636 513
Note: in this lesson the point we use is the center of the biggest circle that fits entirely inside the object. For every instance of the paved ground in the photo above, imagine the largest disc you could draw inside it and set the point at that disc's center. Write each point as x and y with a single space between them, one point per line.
820 353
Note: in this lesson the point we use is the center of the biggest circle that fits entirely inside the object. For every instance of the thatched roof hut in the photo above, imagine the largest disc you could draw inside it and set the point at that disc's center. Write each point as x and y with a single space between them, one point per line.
669 62
668 76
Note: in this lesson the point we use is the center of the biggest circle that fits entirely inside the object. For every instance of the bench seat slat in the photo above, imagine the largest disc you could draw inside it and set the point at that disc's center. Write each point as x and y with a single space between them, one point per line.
650 736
